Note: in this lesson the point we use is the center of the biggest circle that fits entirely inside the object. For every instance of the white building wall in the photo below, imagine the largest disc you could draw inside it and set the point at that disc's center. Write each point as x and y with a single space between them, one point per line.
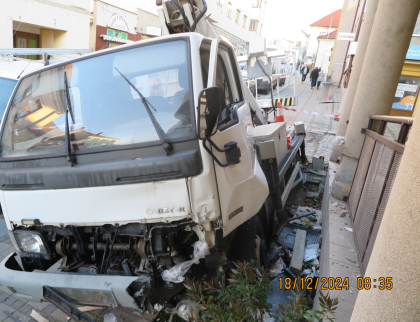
219 10
313 40
324 54
106 11
69 19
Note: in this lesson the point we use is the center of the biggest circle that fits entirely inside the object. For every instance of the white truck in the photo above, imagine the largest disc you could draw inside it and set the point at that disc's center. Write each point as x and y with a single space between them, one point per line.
125 170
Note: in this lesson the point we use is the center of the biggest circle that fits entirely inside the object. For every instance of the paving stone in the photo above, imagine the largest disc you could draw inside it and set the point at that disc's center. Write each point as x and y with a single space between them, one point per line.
17 304
8 320
38 306
60 315
4 246
49 309
26 309
22 317
5 307
10 300
3 296
51 319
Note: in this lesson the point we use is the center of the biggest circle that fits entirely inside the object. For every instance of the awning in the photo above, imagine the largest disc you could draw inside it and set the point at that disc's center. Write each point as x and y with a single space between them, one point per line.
115 39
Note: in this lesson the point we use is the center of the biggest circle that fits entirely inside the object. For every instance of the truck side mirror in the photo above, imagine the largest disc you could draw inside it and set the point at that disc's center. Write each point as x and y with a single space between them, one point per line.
208 111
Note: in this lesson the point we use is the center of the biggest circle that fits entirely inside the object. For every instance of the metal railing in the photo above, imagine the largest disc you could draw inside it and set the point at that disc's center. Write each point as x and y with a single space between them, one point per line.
375 175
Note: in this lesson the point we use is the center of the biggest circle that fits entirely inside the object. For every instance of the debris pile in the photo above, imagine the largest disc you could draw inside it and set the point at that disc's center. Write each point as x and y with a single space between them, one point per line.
296 250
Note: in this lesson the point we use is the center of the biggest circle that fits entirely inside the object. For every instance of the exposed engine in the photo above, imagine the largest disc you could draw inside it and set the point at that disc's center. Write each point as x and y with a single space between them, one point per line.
130 250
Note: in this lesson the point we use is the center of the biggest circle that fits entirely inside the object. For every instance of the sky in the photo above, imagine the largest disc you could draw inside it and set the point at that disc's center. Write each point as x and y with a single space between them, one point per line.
285 18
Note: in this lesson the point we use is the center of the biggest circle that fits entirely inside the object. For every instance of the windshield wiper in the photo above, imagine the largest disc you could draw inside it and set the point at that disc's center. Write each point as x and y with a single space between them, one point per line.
71 158
166 145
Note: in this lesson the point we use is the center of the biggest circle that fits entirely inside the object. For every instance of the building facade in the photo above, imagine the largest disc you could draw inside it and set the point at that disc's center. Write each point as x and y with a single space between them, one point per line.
148 24
45 24
112 25
238 20
406 101
320 28
325 48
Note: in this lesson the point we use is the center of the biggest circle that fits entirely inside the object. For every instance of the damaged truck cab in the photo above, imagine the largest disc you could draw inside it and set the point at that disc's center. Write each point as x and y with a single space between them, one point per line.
120 170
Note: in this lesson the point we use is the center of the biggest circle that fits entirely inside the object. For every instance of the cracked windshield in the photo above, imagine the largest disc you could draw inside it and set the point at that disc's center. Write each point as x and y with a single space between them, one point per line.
104 110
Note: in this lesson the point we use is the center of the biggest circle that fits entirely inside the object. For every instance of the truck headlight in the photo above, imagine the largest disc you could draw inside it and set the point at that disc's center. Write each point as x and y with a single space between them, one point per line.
31 242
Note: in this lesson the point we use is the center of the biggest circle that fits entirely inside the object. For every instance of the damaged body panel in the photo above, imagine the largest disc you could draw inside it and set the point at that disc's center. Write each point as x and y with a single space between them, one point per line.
80 289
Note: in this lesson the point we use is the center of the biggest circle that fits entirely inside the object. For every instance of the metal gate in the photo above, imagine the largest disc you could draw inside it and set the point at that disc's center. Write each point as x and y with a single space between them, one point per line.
375 175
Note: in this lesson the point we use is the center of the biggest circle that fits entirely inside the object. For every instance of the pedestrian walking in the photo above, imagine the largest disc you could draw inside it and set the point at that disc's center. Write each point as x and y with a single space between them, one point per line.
314 77
304 71
320 79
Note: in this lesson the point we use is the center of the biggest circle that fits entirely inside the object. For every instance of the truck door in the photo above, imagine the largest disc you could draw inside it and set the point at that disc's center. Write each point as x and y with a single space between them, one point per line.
242 187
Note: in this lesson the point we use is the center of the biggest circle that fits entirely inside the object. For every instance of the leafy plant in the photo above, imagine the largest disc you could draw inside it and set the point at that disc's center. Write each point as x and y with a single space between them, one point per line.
244 299
298 311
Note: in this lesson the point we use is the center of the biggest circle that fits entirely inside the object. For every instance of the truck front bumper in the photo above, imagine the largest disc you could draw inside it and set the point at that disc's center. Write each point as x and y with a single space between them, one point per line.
100 290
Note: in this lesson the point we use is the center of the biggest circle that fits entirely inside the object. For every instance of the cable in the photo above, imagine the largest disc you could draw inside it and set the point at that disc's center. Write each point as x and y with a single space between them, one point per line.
271 85
192 28
197 19
108 262
202 12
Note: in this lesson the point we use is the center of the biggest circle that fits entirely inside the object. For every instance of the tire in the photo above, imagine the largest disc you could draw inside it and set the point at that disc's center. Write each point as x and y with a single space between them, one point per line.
243 247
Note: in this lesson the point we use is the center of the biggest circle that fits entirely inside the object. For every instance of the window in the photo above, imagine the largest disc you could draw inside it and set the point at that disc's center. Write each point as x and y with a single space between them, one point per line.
238 14
245 18
227 80
406 94
219 2
261 29
6 89
257 4
229 11
253 25
417 27
106 111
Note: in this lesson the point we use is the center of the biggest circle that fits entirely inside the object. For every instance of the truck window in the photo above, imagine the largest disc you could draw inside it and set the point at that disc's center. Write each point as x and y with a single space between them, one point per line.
108 113
227 81
6 89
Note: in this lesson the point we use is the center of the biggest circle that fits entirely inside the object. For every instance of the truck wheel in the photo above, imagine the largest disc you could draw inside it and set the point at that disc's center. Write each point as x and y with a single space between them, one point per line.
250 243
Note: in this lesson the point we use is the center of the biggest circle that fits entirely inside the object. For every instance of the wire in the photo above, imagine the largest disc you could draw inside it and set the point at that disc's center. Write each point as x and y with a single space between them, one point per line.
181 10
194 16
24 69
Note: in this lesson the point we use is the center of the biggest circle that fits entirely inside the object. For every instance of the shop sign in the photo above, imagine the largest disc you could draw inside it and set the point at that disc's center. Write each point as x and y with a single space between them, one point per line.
349 36
118 22
413 53
117 34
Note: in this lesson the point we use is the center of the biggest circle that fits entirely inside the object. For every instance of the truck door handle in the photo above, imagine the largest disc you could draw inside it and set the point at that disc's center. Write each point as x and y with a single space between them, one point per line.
231 149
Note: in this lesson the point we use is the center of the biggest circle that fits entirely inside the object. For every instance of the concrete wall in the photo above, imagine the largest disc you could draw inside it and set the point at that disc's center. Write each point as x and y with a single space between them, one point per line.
219 17
72 21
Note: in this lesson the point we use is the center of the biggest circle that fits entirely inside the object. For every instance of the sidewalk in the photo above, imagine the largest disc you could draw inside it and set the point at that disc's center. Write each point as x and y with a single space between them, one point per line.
326 100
